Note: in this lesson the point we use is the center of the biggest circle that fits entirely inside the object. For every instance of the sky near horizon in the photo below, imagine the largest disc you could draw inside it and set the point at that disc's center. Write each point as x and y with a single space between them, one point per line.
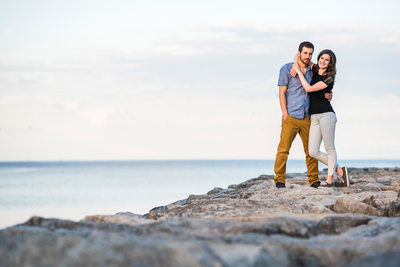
105 80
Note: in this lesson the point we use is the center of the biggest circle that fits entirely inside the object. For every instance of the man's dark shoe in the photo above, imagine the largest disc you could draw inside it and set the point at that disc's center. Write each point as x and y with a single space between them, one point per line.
316 184
280 185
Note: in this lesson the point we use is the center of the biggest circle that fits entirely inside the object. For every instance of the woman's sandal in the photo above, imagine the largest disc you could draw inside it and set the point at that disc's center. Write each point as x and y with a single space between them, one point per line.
345 182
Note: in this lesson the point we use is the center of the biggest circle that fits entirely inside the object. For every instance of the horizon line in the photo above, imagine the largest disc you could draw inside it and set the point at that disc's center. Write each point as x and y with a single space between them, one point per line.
181 159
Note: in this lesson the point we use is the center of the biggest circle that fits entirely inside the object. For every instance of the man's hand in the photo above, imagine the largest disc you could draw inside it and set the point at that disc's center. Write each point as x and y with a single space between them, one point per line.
329 96
284 117
282 102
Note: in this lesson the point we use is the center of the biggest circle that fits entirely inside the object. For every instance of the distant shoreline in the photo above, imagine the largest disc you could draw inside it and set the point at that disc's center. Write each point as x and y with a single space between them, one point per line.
171 160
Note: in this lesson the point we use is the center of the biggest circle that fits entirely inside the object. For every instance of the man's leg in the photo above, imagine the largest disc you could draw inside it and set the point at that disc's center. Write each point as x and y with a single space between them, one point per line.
288 133
312 164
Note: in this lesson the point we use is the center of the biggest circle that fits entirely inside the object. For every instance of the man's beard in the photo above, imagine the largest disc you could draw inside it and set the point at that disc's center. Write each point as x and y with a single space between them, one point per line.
305 61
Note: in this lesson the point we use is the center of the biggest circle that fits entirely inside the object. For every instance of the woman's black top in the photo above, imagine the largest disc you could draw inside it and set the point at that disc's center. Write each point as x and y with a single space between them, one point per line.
318 102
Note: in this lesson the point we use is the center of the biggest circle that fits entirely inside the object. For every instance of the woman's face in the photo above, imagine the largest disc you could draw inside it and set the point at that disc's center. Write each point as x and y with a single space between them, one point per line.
323 61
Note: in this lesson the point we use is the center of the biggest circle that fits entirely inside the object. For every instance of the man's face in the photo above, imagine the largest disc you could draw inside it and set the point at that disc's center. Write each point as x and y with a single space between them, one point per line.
306 55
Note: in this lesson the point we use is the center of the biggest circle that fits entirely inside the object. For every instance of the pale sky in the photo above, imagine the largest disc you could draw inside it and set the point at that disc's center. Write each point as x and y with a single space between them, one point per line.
110 80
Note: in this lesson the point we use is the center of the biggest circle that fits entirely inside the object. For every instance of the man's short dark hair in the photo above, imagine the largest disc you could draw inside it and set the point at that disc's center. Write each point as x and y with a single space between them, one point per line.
306 44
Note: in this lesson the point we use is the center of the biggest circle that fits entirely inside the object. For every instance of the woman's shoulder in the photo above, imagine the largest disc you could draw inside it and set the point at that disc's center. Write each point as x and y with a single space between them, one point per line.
314 68
329 79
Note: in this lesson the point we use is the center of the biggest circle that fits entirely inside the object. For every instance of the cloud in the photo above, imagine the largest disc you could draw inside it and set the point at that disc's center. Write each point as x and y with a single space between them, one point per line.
368 126
206 91
9 100
272 39
8 29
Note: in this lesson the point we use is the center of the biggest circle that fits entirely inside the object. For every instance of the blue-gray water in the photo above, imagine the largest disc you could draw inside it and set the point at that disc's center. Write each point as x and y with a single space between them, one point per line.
72 190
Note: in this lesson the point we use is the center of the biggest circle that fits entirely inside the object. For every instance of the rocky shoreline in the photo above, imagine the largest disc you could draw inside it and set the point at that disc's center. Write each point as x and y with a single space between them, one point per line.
248 224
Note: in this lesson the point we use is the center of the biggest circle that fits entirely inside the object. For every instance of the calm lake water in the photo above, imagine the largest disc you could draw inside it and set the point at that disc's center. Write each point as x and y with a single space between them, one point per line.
74 189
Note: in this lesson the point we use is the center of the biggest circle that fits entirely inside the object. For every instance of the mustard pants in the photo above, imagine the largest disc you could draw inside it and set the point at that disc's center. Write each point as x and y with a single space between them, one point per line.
290 128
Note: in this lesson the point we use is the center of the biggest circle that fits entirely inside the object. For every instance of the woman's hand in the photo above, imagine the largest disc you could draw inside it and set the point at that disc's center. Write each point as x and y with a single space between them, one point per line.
293 73
296 66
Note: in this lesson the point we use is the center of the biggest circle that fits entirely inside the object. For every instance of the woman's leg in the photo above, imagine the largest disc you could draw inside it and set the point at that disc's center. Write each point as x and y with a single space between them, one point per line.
328 125
315 139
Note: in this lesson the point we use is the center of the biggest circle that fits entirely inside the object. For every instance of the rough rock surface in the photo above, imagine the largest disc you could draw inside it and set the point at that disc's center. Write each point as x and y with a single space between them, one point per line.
249 224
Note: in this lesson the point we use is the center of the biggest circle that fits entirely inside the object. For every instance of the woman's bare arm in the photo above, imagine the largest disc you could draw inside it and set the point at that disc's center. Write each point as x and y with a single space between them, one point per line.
309 88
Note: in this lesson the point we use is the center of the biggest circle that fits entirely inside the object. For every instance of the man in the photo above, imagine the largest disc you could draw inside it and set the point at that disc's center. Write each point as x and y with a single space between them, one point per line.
295 103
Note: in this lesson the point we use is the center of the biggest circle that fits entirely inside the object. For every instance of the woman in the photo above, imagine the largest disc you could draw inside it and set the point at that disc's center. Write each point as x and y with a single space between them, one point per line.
323 118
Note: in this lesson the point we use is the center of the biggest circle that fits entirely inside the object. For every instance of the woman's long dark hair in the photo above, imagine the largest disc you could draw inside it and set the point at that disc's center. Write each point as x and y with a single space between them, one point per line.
331 70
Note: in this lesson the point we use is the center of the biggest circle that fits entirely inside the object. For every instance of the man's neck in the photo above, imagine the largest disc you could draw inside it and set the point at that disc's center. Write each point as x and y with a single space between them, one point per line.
302 65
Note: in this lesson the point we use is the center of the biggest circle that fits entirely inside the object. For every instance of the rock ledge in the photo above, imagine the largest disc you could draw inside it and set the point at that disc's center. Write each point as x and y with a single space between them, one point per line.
249 224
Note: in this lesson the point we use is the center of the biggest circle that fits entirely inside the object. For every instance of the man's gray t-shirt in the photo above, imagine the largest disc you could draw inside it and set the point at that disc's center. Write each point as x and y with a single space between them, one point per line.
297 99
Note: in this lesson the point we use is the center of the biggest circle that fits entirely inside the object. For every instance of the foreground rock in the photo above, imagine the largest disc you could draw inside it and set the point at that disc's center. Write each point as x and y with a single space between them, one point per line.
373 192
250 224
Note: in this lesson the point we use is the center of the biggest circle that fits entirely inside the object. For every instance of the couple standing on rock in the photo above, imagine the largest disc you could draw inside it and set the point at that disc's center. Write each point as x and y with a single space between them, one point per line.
305 90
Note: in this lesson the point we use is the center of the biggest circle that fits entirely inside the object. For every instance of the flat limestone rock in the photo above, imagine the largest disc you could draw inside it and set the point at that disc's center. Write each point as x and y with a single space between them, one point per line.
119 218
350 205
249 224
